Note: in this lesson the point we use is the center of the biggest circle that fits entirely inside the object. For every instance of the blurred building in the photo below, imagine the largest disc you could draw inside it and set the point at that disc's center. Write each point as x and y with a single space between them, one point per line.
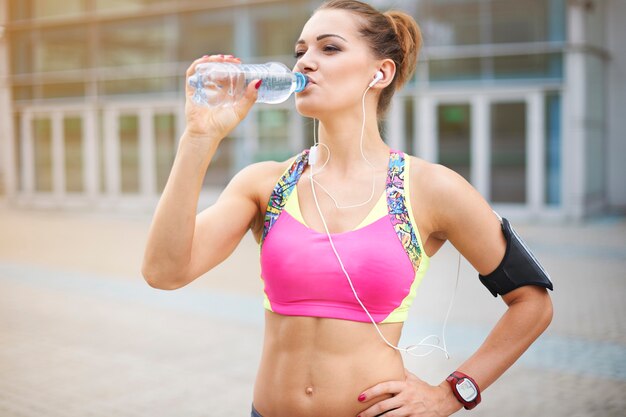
523 98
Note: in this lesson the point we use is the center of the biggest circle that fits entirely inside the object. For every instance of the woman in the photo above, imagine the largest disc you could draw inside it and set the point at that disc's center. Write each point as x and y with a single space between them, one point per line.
321 355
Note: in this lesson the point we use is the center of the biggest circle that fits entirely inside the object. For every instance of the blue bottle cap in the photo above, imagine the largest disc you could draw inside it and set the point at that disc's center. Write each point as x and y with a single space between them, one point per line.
301 81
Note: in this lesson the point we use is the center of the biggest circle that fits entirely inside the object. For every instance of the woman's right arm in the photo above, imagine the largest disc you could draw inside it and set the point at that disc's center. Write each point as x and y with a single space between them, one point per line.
182 246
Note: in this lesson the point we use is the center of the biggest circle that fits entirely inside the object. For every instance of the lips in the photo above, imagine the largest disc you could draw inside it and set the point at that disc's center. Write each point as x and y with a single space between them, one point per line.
310 82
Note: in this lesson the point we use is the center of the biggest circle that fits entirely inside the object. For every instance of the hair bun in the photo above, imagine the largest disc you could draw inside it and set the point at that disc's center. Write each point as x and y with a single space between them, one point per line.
410 41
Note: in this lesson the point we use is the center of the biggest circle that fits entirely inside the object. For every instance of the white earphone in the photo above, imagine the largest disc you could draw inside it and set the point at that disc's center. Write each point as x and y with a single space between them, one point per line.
313 159
379 76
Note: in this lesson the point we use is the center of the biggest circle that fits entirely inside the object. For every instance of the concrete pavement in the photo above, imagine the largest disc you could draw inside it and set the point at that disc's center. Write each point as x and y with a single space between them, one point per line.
81 334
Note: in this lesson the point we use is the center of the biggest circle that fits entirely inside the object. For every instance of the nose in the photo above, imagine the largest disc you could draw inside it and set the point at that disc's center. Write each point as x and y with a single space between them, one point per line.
306 63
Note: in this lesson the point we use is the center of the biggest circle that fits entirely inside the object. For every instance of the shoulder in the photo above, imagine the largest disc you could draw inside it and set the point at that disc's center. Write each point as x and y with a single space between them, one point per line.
451 209
439 183
258 181
261 177
445 196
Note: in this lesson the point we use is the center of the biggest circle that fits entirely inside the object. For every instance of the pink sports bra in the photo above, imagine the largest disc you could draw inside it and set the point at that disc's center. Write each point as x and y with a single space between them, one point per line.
383 255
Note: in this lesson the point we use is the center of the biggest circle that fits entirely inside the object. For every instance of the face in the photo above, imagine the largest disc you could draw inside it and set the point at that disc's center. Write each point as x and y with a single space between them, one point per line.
338 62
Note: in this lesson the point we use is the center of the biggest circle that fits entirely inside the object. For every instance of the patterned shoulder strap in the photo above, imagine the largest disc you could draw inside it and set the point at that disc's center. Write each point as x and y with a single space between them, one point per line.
282 191
398 211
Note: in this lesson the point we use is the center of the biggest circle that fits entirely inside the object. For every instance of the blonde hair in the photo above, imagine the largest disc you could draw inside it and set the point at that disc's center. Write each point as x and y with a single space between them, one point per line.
392 34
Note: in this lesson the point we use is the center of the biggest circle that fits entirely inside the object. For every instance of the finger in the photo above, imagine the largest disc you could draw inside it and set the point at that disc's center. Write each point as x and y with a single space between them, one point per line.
242 107
385 407
192 68
211 58
389 387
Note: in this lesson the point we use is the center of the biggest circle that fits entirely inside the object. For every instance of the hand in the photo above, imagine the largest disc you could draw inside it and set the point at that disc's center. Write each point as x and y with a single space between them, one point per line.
215 122
411 398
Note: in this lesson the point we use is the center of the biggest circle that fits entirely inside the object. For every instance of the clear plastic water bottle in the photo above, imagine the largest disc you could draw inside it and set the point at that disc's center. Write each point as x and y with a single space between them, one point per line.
224 83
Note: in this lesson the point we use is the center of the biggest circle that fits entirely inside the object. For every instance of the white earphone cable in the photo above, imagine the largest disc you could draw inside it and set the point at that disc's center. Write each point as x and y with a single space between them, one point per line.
316 143
409 349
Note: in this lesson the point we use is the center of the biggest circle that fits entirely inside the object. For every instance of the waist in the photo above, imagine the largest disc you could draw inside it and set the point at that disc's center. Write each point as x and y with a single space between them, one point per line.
315 366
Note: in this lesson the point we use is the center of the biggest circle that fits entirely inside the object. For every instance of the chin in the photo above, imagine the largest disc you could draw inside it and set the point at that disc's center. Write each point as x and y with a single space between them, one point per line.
308 109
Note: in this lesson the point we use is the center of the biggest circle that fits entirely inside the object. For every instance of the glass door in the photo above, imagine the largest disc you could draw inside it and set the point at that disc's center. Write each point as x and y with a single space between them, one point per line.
495 141
508 150
454 134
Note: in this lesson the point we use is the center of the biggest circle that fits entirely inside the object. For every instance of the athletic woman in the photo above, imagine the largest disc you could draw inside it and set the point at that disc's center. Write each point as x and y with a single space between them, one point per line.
346 231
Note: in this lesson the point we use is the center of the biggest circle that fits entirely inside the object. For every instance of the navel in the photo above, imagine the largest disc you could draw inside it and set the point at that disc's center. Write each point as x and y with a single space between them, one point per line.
309 390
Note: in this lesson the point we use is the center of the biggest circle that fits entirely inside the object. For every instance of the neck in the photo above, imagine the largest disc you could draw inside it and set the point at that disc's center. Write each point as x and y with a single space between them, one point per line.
342 134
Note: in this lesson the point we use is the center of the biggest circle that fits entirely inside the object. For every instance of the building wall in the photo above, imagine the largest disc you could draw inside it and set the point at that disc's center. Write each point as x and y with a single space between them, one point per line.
503 93
616 103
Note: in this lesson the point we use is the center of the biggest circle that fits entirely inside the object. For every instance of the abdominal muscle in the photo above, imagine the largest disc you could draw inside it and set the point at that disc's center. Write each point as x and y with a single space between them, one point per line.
318 367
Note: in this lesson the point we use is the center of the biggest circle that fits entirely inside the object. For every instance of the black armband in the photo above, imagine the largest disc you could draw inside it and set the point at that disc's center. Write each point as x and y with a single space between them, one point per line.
519 266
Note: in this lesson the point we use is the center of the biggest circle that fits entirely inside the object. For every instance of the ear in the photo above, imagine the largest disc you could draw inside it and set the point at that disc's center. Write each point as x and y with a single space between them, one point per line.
388 68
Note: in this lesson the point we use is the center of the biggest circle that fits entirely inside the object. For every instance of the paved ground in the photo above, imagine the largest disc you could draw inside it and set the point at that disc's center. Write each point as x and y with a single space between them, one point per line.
81 334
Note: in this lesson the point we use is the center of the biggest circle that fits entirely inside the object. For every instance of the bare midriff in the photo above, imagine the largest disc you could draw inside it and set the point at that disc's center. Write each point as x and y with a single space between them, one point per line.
318 367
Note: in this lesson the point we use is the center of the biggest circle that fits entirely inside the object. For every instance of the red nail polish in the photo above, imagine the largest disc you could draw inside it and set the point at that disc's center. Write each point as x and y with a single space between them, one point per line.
362 397
258 84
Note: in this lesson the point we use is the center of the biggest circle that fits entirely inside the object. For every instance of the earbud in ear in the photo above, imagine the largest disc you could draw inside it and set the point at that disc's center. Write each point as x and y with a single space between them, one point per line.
379 76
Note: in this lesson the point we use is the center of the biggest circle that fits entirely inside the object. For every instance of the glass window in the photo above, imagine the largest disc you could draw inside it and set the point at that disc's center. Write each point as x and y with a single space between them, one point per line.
528 66
271 41
22 92
55 8
308 133
62 90
17 147
140 85
206 33
472 22
60 49
165 142
33 9
508 152
273 135
220 169
553 149
129 153
454 69
135 42
21 50
127 5
519 21
451 22
408 104
73 141
42 144
453 126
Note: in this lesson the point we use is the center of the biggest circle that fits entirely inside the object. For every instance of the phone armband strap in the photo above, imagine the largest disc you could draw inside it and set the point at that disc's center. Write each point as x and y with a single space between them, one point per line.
519 266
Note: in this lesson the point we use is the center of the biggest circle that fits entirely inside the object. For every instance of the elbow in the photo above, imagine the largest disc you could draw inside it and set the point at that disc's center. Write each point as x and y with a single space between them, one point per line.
155 278
542 309
534 303
547 310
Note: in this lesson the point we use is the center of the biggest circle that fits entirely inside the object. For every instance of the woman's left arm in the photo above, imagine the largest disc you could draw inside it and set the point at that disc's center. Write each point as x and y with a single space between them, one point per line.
463 217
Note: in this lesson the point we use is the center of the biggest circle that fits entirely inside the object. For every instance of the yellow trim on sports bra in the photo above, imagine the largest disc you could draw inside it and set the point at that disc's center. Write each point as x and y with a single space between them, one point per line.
376 213
402 311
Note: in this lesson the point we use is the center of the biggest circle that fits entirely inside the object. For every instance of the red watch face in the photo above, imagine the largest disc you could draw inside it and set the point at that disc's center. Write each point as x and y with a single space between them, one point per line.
466 390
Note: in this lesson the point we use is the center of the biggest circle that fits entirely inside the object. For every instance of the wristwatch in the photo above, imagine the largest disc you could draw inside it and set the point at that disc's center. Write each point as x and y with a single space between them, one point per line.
464 389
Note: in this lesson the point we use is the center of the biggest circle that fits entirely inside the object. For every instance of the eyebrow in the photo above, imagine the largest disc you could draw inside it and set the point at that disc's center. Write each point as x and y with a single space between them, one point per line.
320 37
